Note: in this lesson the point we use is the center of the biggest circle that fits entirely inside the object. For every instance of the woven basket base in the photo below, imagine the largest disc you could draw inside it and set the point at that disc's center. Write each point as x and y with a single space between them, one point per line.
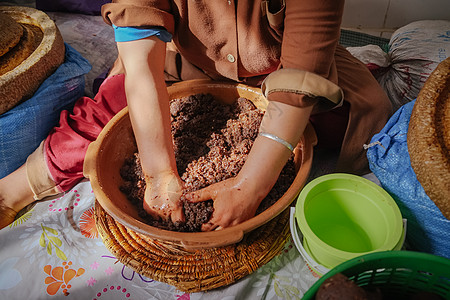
193 271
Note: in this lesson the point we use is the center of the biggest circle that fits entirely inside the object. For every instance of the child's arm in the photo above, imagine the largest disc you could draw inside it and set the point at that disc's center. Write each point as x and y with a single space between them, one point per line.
148 104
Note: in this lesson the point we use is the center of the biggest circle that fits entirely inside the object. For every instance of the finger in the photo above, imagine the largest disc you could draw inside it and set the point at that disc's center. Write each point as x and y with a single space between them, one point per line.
201 195
150 211
156 213
209 226
227 222
212 224
177 216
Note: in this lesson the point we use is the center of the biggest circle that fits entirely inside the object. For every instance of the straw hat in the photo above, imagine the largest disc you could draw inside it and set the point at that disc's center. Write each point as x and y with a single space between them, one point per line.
11 33
31 49
429 137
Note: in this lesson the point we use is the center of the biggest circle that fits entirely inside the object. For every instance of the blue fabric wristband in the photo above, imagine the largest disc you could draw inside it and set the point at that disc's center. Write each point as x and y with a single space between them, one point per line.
127 34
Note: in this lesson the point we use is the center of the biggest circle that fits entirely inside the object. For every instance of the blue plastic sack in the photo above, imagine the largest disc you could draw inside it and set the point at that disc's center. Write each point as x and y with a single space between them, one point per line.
428 230
24 127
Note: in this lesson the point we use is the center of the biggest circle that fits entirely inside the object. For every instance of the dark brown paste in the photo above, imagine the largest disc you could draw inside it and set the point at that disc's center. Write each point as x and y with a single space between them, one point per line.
340 286
211 142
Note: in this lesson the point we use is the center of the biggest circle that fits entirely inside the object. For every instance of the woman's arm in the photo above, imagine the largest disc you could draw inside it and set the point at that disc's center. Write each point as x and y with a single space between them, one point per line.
237 199
311 33
148 104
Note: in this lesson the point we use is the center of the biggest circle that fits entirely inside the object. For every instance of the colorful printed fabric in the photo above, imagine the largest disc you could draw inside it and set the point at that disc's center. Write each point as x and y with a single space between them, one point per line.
54 251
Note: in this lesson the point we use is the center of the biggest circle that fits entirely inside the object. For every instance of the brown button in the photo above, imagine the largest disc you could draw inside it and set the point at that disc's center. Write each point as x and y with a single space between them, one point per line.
231 58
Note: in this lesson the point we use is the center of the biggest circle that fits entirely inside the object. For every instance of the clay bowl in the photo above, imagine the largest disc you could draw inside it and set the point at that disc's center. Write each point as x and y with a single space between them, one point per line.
116 142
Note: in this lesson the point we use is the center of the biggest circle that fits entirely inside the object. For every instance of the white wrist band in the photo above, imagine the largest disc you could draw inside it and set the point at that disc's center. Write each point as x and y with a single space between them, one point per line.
277 139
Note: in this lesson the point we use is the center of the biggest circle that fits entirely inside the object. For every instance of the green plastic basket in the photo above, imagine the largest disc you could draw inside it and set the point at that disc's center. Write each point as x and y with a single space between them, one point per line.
399 274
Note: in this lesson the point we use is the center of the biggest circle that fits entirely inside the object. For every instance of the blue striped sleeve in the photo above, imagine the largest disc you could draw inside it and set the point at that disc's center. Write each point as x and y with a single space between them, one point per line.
127 34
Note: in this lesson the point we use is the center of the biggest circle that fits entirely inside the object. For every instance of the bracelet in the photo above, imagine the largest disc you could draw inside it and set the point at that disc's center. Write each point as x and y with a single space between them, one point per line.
277 139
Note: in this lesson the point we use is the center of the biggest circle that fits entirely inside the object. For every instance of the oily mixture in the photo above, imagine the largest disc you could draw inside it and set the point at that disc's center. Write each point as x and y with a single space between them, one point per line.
211 142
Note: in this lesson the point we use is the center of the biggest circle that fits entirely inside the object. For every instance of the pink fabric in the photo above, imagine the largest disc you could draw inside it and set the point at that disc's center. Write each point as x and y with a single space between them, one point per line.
66 145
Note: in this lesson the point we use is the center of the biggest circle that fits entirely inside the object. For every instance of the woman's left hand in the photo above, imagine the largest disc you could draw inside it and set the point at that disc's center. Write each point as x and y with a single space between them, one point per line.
234 202
237 199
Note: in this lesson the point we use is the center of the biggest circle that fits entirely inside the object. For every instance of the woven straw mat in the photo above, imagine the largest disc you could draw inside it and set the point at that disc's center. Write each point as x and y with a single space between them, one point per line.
198 270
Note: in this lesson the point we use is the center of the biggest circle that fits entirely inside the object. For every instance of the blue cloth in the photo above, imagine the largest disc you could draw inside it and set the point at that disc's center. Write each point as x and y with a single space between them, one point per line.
24 127
427 229
127 34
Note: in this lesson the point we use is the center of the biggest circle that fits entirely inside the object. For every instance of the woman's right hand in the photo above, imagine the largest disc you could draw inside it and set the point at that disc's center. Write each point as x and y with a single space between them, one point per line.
162 196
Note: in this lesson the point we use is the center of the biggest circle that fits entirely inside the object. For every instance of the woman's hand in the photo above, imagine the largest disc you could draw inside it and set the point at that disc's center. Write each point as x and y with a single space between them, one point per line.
162 197
235 201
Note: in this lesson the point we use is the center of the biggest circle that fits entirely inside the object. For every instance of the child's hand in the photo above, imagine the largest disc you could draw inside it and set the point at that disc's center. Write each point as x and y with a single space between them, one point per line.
234 202
148 104
162 197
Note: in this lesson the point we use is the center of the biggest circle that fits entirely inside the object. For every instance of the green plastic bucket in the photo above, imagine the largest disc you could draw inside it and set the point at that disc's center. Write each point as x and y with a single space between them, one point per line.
316 269
342 216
